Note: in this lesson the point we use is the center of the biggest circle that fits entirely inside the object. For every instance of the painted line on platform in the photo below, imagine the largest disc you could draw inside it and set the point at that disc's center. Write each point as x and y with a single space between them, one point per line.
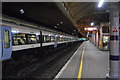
6 60
81 65
65 66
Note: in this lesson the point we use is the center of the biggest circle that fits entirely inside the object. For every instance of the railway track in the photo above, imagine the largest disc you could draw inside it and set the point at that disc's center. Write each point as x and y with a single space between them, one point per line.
33 66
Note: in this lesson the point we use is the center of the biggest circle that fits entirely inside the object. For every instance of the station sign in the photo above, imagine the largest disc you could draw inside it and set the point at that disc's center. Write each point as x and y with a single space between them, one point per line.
115 29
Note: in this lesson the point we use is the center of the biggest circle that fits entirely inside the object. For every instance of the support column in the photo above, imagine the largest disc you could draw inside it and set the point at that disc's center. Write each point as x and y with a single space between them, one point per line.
41 39
55 44
114 41
119 37
0 44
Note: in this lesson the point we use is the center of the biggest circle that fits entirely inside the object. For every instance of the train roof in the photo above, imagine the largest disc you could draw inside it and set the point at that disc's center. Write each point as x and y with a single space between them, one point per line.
19 22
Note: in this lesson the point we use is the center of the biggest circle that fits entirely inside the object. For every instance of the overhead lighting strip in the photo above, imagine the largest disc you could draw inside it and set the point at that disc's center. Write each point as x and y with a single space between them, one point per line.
100 3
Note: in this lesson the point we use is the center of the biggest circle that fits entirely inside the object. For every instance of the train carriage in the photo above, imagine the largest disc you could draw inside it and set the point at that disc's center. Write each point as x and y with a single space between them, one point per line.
14 37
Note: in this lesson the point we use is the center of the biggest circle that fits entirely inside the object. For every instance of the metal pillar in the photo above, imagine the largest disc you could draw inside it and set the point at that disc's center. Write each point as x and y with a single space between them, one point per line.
114 41
0 41
55 43
119 37
41 39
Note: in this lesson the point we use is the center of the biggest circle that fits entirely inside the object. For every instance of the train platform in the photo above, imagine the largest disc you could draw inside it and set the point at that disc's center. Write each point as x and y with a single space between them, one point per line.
87 62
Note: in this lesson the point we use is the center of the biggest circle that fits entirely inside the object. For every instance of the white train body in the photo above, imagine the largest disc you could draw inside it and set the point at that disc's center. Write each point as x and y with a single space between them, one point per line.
22 37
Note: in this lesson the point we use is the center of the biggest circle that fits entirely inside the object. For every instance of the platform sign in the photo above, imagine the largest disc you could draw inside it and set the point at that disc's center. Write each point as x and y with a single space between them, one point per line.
115 29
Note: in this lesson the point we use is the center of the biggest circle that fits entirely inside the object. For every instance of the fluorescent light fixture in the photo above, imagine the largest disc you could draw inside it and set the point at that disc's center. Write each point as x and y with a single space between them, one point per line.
100 3
92 24
55 26
90 29
21 11
61 36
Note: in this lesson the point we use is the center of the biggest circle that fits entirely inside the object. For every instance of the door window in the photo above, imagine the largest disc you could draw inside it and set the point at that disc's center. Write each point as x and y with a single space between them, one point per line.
6 39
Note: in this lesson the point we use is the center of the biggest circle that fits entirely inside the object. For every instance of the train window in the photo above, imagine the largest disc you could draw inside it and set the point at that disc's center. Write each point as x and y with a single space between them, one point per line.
19 39
41 38
38 38
31 38
47 38
6 39
44 38
66 39
58 39
61 39
52 39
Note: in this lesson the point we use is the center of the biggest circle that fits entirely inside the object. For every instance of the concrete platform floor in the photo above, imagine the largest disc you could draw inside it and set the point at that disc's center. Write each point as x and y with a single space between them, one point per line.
87 62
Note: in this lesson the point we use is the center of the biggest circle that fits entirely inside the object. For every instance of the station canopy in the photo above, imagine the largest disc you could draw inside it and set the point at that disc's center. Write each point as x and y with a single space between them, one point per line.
68 17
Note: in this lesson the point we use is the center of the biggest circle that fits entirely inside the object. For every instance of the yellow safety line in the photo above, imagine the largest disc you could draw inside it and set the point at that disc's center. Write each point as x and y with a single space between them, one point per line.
5 59
81 65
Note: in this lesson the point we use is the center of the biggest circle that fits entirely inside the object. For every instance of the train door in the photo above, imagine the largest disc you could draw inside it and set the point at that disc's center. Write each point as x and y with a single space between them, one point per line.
6 42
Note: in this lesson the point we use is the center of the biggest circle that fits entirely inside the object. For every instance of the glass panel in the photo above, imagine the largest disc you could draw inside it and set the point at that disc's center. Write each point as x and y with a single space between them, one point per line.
105 39
6 39
58 39
105 29
31 38
105 42
52 39
19 39
47 38
38 38
61 39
